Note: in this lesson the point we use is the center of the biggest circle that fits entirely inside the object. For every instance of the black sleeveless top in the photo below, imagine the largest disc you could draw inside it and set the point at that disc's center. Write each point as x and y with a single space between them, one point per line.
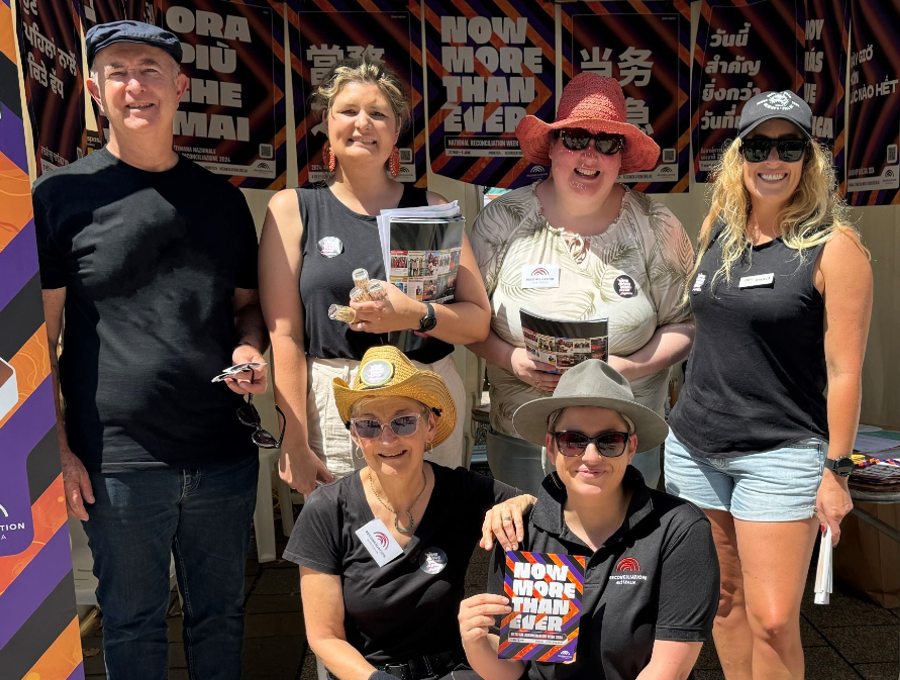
756 376
336 241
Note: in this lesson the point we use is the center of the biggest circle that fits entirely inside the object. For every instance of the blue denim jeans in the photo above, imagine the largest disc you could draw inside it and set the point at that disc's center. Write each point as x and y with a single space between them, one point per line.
203 517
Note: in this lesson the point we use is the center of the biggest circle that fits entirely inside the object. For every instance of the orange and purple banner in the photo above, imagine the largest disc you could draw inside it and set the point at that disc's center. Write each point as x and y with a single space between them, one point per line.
825 71
51 58
873 171
489 64
232 118
646 47
743 47
39 634
329 31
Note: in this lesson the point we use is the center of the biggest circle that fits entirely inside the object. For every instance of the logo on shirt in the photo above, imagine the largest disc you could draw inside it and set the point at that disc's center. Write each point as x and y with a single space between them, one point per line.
625 286
698 283
627 572
330 246
433 561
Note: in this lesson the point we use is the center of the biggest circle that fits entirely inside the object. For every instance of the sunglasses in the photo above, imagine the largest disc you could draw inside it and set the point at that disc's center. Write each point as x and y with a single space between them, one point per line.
578 140
756 149
370 428
249 416
572 443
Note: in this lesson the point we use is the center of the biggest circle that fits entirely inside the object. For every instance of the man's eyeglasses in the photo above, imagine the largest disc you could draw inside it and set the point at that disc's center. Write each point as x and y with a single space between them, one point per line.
369 428
757 149
249 416
577 139
571 443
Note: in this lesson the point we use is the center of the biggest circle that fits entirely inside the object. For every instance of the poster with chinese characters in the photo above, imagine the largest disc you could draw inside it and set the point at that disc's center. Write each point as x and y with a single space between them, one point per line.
232 118
824 73
51 57
646 47
873 170
489 64
743 47
329 31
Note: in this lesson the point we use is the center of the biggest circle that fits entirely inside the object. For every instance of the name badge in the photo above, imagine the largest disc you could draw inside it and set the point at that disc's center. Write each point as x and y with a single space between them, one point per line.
379 542
758 281
540 276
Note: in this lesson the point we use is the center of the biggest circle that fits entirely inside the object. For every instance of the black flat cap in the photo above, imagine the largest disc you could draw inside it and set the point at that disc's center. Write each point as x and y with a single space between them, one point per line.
103 35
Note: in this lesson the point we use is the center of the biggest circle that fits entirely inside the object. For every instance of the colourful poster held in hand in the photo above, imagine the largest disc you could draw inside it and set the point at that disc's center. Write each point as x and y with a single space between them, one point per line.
545 591
824 70
51 57
873 170
743 47
330 31
489 64
232 118
646 47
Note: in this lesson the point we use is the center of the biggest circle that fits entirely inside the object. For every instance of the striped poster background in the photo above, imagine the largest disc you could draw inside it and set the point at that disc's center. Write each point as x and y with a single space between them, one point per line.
39 635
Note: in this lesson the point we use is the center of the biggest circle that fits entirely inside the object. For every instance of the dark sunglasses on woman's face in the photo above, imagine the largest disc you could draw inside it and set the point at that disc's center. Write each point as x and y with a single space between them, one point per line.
757 149
249 416
370 428
577 139
571 443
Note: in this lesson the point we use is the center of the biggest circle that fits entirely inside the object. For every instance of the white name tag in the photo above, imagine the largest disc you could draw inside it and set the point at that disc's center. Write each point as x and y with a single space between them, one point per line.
758 281
540 276
378 540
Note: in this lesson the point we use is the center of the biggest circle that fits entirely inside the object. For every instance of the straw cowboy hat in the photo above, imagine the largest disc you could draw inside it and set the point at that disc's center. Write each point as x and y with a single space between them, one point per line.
386 372
591 383
594 103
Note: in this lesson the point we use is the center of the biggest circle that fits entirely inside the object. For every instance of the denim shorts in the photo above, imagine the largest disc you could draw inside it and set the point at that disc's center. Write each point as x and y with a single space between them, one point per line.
778 485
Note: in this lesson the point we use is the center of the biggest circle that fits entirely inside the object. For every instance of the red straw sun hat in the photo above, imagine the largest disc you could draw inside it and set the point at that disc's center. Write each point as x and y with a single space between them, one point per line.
597 104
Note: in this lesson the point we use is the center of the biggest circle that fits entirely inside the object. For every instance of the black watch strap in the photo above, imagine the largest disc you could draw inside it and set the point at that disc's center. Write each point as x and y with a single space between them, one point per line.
842 466
429 321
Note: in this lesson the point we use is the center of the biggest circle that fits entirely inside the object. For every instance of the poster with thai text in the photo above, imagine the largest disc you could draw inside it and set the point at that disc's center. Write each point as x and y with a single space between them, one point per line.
232 118
51 58
646 47
329 31
873 171
489 64
743 47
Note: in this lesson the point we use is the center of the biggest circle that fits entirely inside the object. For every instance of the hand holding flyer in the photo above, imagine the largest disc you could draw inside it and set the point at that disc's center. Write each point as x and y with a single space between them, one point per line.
545 591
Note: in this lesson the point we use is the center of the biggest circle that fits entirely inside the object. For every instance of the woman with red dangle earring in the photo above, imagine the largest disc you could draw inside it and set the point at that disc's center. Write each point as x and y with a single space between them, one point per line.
763 429
312 240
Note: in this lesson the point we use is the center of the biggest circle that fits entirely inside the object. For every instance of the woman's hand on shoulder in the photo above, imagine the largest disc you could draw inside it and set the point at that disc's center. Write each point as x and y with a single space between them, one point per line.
478 613
396 312
506 522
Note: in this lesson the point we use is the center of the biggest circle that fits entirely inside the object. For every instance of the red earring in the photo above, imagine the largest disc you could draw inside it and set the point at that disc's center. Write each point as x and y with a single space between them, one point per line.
394 162
328 157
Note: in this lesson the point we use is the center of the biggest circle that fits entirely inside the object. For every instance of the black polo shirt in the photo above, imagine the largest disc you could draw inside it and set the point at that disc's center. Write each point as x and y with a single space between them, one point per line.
407 608
656 578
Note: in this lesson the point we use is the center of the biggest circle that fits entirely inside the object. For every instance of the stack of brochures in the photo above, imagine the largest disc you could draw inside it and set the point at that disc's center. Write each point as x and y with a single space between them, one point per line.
421 248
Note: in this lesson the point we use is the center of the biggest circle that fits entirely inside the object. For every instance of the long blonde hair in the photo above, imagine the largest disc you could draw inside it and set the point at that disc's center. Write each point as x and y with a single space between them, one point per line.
363 70
814 214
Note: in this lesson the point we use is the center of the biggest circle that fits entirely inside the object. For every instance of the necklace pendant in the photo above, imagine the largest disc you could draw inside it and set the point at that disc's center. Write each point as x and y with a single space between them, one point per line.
405 530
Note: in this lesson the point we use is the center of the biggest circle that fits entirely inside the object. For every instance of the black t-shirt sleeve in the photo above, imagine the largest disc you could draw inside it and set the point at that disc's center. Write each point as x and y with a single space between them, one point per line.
52 262
689 585
316 538
246 275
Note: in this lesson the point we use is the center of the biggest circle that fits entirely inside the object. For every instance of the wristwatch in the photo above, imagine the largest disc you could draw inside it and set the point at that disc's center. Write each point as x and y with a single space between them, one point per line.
842 466
429 321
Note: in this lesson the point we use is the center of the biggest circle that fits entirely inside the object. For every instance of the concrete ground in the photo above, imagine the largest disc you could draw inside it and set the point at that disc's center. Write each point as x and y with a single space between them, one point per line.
850 638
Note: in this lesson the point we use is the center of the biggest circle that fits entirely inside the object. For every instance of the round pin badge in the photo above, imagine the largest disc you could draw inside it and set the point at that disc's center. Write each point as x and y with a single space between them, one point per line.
433 561
625 286
330 246
376 373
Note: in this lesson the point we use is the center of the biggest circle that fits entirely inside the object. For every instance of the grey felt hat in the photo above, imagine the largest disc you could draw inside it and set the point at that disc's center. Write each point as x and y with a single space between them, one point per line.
591 383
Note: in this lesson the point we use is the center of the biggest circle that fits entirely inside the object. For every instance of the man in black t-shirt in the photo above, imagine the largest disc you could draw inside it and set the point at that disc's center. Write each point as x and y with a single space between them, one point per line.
153 261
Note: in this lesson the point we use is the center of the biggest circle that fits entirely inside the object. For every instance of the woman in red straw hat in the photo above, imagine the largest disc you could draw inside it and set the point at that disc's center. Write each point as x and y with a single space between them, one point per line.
606 251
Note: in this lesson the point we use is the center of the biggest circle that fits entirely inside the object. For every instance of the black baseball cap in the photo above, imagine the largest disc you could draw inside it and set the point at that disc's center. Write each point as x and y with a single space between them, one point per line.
102 36
771 105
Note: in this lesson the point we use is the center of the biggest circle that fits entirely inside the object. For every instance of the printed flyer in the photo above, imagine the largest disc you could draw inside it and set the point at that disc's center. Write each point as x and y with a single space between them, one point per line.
564 344
545 590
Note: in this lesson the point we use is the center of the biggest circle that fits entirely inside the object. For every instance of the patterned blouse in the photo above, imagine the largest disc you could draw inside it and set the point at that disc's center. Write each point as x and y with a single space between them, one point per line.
633 273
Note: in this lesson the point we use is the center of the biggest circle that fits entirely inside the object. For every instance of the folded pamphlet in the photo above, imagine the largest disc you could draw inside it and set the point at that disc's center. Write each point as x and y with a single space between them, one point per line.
563 343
